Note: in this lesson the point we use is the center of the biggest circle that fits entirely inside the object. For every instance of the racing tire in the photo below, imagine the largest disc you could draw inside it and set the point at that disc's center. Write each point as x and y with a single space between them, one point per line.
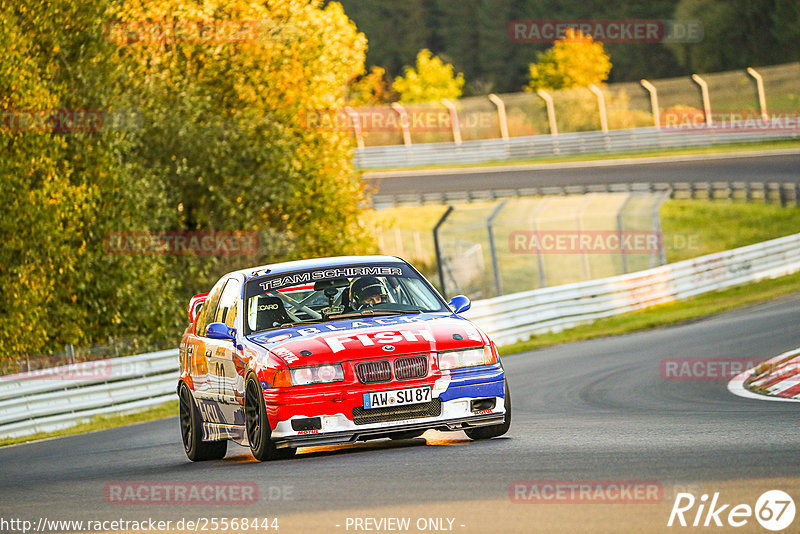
492 431
192 431
257 425
408 434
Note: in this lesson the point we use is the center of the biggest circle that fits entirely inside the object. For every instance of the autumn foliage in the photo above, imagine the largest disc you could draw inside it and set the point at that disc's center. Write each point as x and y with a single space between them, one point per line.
574 61
202 103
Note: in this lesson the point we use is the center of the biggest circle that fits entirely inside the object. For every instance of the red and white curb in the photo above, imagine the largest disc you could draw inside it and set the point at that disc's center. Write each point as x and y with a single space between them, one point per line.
777 379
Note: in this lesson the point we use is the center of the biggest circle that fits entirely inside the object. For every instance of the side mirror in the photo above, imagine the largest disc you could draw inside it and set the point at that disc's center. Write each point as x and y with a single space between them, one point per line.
221 331
459 304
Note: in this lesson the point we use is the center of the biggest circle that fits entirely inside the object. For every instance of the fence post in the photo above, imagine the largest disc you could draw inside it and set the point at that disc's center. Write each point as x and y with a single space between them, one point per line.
601 103
706 100
762 99
439 264
653 102
551 110
446 102
662 252
539 259
620 232
587 270
495 265
403 122
502 118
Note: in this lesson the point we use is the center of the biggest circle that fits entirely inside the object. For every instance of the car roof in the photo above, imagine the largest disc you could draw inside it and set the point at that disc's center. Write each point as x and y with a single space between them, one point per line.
321 263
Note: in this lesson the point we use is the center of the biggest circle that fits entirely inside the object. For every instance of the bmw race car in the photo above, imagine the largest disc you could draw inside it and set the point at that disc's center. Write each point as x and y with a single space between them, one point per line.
334 350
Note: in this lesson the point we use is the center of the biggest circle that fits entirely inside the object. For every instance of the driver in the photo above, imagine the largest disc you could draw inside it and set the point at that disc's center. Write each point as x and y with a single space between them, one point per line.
366 292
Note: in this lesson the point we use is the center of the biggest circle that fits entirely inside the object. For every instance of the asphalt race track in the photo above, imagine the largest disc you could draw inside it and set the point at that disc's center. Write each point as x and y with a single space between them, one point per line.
741 168
595 410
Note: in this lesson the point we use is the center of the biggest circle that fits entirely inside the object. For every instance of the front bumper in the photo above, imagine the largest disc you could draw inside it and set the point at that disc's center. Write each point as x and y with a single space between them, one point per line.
333 438
455 390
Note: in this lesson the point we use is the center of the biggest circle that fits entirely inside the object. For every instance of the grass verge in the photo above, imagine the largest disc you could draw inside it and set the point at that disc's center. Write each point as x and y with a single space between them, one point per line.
717 225
716 149
665 314
168 409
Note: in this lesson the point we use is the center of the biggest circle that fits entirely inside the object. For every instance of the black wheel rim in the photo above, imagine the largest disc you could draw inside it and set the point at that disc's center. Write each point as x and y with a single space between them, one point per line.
186 417
252 414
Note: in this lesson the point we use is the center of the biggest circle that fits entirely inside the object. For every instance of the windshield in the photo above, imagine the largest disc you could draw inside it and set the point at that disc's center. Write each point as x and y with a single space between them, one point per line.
330 293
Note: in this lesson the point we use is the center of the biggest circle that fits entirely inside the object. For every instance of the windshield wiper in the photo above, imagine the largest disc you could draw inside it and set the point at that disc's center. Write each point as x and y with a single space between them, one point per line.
290 325
364 313
370 313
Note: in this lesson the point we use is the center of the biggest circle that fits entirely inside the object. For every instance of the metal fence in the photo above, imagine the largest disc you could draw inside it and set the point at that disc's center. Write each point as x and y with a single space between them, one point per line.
783 193
519 148
675 102
49 399
516 317
493 248
30 404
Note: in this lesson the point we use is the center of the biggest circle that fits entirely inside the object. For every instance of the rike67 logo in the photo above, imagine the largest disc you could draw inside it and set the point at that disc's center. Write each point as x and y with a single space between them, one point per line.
774 510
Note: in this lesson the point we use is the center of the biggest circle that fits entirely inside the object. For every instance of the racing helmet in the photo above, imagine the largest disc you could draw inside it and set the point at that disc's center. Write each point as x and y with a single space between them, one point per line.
367 291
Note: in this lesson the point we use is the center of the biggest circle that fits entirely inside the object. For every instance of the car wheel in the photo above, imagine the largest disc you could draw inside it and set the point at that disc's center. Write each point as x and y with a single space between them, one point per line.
408 434
192 431
257 426
492 431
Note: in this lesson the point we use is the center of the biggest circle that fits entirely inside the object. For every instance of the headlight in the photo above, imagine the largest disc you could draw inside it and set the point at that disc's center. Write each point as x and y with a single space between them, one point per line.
466 358
320 374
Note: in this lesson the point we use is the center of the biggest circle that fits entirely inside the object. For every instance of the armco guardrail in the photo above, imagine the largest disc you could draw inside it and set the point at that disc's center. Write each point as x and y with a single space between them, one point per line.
783 193
50 399
59 397
514 148
515 317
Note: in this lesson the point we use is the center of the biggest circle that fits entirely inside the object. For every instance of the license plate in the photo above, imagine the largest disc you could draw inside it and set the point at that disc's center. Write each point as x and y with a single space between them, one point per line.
397 397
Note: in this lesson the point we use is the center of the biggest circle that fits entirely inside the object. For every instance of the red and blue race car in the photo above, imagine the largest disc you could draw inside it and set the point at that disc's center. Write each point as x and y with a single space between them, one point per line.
333 350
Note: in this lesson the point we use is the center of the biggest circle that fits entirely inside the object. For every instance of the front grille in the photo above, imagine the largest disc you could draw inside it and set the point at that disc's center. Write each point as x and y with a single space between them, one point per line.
374 372
362 416
409 368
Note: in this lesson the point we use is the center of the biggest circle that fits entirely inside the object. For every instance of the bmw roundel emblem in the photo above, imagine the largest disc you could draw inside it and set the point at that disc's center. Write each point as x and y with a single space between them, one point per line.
388 348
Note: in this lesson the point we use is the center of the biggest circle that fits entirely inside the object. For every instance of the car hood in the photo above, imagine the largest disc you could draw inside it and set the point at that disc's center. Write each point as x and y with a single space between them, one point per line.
369 337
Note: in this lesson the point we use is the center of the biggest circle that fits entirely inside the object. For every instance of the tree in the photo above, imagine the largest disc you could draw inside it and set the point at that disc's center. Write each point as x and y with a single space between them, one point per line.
396 30
64 189
739 34
225 127
430 81
220 145
574 61
370 89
